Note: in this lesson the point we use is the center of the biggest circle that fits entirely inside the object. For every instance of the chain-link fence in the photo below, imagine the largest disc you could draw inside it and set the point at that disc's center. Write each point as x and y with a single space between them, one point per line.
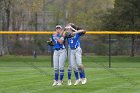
98 50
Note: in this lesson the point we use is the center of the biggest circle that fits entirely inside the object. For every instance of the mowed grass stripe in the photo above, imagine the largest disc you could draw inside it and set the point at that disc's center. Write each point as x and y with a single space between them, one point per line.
101 75
21 81
89 61
125 78
114 86
26 74
26 87
30 85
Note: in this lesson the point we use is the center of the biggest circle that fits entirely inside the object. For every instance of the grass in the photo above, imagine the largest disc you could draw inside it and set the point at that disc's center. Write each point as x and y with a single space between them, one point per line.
89 61
23 74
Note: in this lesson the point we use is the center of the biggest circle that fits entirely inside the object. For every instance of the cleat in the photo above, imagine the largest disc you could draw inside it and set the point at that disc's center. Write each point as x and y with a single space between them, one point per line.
80 80
84 81
59 83
77 82
55 83
62 81
69 82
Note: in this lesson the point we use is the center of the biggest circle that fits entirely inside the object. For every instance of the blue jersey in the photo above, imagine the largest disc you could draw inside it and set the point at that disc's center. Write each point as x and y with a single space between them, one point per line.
74 41
56 43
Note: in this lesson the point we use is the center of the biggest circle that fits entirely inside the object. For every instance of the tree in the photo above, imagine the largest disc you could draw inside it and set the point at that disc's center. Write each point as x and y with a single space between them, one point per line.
5 15
125 17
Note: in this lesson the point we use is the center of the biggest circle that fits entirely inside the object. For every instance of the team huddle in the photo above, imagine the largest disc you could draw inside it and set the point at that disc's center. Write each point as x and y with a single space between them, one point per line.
71 34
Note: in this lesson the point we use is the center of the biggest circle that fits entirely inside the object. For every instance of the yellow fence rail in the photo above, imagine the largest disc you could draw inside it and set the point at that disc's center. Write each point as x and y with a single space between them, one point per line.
88 32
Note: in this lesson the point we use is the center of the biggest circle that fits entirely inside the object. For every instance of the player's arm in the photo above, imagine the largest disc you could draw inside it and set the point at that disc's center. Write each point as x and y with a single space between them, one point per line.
62 33
60 40
79 31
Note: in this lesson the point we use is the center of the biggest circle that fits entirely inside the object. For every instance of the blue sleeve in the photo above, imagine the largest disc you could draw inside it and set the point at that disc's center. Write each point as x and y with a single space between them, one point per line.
79 34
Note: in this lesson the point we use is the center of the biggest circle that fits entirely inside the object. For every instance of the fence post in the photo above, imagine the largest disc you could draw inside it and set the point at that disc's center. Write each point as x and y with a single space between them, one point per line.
51 56
109 51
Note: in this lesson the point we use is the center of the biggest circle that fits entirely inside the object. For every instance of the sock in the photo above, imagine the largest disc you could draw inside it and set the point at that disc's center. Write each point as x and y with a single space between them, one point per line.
61 74
76 75
80 72
69 74
83 73
56 75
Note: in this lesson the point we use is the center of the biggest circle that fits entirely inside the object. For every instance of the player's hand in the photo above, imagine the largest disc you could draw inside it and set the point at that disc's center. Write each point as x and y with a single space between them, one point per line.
72 33
68 34
55 34
49 39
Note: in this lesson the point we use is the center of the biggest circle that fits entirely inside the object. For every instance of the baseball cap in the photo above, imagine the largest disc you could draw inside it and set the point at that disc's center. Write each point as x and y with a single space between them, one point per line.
58 26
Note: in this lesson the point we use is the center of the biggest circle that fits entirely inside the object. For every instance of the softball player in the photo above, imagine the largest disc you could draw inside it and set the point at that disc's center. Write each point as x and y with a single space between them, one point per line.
59 56
76 55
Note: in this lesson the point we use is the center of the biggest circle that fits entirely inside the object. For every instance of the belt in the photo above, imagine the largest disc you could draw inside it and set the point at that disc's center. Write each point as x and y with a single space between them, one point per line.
58 49
74 48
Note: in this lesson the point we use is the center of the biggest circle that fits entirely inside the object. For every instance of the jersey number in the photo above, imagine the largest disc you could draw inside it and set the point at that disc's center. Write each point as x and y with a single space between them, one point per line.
71 41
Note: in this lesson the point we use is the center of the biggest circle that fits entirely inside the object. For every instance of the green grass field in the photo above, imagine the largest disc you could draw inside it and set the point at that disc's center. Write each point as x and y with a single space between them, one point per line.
19 74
